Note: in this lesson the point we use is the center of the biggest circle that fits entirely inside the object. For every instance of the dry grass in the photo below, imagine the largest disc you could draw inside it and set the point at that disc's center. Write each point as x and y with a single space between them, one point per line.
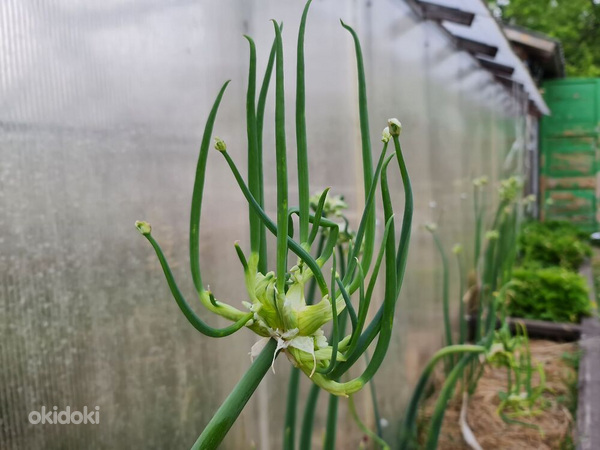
491 431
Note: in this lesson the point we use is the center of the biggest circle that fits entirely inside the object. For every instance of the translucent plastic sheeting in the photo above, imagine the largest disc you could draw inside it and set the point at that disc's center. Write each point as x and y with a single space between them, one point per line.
102 106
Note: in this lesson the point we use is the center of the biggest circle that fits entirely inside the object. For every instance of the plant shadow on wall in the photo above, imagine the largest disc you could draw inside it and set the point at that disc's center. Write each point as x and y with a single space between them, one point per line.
289 307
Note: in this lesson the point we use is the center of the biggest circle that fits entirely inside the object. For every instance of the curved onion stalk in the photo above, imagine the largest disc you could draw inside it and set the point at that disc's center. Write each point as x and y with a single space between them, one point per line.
364 428
408 428
277 308
374 403
442 402
366 148
369 334
447 390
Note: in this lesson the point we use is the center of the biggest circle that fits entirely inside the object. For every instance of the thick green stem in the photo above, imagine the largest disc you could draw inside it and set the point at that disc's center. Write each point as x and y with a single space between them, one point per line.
289 433
309 418
331 427
224 418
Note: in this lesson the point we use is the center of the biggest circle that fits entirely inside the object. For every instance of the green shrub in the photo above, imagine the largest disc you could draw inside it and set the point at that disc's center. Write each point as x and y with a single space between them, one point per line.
555 294
553 243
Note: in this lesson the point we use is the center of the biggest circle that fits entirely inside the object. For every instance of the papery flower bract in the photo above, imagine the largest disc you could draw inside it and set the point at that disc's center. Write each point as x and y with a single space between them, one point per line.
386 135
492 235
509 189
457 249
143 227
295 326
431 227
529 199
480 181
395 127
220 144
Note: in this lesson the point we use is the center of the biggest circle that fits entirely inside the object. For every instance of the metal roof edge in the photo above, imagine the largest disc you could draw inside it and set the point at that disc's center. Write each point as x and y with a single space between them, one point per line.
530 87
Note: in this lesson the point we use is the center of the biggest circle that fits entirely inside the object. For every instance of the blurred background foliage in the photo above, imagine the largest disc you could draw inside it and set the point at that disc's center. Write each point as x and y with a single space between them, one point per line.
576 23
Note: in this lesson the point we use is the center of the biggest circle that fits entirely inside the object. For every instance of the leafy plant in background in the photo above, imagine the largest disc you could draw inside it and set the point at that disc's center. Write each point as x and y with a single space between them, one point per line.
552 293
576 23
553 243
278 309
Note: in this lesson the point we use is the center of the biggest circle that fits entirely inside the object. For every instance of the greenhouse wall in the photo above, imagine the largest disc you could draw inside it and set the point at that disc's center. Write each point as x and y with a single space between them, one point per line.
102 107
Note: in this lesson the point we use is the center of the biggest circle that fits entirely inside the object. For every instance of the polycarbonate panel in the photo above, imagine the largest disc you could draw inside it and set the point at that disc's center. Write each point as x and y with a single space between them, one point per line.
102 106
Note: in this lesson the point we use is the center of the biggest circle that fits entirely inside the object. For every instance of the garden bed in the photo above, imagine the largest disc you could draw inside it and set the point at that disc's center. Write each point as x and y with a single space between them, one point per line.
539 329
556 421
569 410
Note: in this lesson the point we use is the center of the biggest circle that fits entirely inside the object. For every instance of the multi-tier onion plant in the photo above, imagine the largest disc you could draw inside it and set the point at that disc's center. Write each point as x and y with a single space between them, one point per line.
276 307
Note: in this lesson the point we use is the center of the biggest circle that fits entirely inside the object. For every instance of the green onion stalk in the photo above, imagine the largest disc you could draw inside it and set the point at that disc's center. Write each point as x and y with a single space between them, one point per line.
479 185
277 309
498 258
432 228
457 250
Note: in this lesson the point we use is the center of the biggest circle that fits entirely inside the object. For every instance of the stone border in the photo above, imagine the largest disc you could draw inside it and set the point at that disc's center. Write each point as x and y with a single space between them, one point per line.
588 405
